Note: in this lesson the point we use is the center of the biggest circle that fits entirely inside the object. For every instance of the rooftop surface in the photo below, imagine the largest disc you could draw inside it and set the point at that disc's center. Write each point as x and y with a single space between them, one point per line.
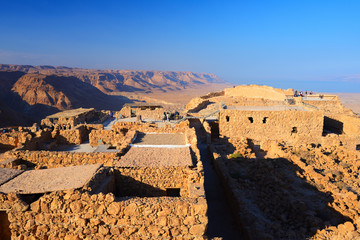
50 180
159 139
266 108
7 174
156 157
70 113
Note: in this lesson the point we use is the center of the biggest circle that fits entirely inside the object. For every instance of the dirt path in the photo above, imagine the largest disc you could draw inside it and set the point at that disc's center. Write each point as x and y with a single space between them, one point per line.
221 221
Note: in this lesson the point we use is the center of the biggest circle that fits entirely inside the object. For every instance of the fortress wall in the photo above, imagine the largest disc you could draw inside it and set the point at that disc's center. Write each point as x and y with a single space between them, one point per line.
255 91
75 215
279 125
50 159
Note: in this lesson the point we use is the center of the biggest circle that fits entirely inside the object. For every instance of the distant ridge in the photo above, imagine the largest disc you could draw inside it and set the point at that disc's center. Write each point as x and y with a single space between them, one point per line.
29 93
110 81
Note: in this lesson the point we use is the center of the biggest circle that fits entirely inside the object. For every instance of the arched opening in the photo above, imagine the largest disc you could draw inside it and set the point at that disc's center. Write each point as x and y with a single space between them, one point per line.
4 226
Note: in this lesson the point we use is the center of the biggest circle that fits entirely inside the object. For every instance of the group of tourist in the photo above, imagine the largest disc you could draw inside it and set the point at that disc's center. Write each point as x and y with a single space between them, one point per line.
302 94
167 116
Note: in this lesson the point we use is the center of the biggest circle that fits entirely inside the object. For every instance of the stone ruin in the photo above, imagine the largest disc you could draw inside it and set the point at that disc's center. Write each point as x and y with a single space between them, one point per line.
288 166
52 194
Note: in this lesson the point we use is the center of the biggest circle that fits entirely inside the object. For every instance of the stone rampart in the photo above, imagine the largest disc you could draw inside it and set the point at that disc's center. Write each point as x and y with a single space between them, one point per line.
75 215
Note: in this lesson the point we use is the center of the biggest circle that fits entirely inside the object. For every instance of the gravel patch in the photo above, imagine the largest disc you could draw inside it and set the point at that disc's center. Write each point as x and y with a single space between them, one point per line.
156 157
49 180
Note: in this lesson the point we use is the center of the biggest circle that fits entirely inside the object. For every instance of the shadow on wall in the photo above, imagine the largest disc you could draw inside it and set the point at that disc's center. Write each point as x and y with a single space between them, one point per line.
127 186
5 233
5 147
283 204
333 126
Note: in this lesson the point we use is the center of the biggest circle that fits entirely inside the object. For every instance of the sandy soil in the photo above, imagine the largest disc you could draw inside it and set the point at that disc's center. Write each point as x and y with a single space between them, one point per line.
156 157
49 180
159 139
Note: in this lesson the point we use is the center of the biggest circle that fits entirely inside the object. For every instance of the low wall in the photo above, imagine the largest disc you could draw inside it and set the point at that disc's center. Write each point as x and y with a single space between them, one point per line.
14 139
69 137
107 137
150 181
146 113
74 215
52 159
149 127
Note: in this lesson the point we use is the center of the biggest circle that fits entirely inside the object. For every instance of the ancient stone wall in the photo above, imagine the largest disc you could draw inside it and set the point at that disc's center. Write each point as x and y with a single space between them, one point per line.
280 125
150 181
50 159
14 139
75 215
145 113
106 137
149 127
69 137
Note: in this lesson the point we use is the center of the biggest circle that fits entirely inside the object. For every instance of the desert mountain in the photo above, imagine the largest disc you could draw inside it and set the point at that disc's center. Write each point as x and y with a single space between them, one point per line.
29 93
112 81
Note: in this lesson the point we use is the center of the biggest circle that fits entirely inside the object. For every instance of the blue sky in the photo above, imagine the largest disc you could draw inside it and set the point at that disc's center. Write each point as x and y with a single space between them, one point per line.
313 45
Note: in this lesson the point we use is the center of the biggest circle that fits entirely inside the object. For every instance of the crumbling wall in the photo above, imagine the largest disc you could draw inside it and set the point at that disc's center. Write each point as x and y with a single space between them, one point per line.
50 159
14 139
75 215
279 125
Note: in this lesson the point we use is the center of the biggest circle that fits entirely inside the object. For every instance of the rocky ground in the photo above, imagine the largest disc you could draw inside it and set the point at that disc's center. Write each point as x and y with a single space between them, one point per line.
295 192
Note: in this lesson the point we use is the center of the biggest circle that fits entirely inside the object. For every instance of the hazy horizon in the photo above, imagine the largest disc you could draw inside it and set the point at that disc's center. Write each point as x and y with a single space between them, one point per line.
303 45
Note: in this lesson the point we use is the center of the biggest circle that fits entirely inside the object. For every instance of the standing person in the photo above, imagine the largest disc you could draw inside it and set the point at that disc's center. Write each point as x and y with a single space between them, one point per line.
296 93
164 116
168 116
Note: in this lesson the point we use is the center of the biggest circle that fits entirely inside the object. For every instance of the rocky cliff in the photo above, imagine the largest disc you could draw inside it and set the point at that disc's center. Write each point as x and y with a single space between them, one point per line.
29 93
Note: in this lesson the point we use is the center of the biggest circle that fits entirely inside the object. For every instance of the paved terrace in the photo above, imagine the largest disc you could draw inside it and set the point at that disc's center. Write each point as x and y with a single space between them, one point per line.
70 113
157 150
49 180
